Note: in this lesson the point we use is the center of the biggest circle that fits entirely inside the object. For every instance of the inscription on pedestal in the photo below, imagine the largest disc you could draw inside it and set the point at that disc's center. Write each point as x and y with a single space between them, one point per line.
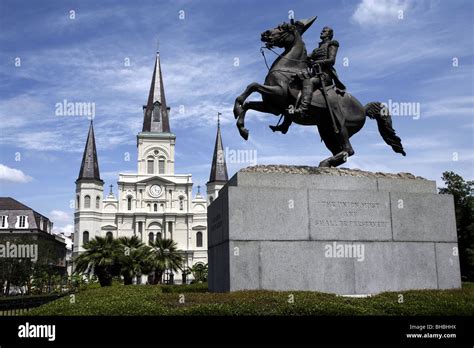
216 223
349 215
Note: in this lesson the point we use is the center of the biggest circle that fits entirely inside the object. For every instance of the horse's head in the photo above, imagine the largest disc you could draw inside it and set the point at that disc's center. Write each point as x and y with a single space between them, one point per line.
281 36
285 34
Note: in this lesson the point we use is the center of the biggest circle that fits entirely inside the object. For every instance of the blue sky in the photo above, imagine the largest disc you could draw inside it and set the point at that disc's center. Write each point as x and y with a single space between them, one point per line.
425 57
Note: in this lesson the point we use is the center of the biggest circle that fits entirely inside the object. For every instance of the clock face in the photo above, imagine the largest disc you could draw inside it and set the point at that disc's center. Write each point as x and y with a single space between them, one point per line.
155 190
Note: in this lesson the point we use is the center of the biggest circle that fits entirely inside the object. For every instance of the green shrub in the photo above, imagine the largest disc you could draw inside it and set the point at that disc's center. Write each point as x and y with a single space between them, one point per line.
165 300
195 287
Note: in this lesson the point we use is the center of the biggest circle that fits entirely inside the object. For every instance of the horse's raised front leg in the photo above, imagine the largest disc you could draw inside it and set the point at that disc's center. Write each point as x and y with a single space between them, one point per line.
266 108
240 109
261 107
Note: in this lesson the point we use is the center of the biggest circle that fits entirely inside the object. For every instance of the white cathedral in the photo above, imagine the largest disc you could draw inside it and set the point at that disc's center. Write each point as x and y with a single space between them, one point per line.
154 202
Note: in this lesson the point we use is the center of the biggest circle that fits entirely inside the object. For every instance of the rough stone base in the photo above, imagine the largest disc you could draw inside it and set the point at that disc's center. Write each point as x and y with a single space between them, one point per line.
332 230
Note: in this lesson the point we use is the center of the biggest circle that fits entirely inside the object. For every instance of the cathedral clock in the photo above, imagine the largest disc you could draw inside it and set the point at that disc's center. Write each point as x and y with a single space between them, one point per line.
155 190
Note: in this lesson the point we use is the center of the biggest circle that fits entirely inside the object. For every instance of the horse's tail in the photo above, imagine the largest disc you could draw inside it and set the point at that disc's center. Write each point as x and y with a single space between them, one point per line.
380 113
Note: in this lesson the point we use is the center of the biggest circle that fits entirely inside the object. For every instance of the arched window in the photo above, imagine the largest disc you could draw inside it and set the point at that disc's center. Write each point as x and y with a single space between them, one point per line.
97 202
181 203
199 239
150 165
109 235
85 237
129 203
148 206
87 201
156 112
161 165
211 199
158 235
78 205
155 207
150 237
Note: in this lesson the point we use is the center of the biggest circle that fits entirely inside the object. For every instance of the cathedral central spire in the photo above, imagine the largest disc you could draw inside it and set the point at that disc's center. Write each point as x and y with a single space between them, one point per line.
156 112
90 166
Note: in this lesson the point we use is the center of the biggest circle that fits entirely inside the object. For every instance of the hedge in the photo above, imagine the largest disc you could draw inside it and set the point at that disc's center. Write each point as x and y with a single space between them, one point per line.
194 300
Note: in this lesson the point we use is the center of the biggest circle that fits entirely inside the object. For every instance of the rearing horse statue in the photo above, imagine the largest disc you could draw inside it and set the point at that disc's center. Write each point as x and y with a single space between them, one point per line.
280 92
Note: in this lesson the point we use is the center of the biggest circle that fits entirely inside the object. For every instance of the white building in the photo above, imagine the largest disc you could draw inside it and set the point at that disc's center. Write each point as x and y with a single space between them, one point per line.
69 241
154 202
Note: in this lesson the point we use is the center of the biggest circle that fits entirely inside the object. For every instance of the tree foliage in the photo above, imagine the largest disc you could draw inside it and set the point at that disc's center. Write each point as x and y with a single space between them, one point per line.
129 258
100 257
199 272
462 192
165 256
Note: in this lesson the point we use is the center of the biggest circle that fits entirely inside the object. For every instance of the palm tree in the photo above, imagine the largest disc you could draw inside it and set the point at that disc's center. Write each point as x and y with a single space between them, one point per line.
100 258
199 272
165 256
132 258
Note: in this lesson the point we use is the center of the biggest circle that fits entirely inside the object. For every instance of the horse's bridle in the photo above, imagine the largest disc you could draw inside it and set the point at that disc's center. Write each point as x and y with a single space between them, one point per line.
285 34
279 55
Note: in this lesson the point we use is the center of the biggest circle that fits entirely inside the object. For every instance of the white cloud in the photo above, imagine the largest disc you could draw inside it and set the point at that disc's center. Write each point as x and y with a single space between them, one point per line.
202 114
117 90
14 175
378 12
461 105
67 229
402 55
422 142
59 216
45 141
18 111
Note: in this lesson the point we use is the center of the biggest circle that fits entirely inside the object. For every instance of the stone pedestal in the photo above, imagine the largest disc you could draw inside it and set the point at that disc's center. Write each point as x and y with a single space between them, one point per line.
332 230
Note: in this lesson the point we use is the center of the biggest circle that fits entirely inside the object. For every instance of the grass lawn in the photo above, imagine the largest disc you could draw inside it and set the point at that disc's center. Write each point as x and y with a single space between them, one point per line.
165 300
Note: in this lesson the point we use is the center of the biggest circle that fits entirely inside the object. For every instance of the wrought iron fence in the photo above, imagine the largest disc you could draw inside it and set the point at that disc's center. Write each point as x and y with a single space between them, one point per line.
19 305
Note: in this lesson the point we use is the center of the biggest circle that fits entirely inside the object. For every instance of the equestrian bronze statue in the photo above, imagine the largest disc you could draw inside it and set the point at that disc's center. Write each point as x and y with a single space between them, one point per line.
307 91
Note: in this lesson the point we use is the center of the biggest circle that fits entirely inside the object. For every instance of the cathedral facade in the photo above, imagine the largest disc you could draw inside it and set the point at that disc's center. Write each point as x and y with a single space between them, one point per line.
154 202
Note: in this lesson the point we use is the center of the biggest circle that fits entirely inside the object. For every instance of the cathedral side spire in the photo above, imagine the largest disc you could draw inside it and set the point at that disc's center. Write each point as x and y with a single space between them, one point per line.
156 112
90 165
219 167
